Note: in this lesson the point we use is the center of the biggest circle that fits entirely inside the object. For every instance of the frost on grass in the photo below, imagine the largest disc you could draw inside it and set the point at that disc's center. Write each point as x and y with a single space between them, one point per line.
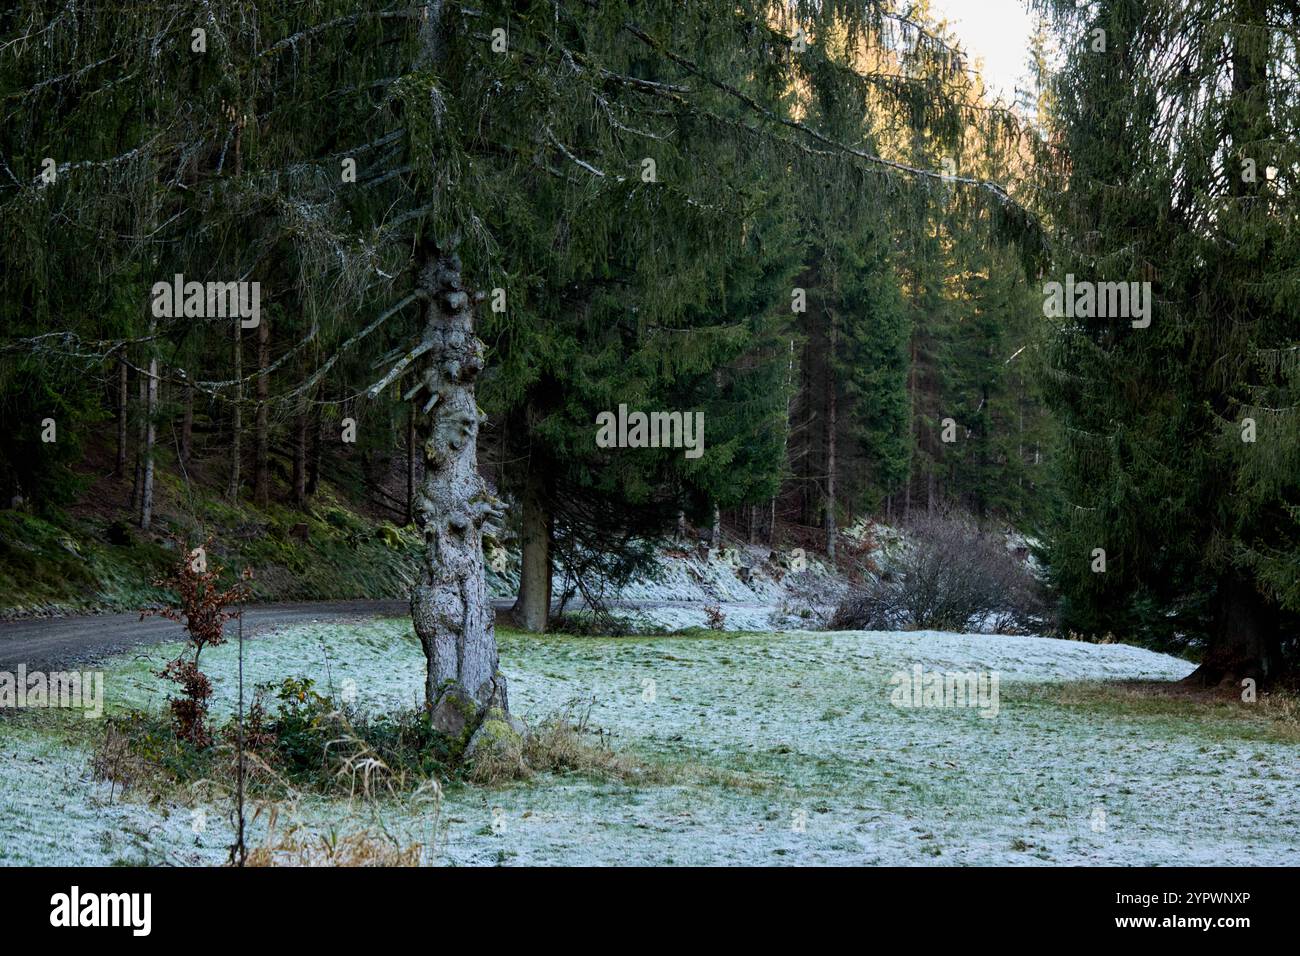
771 748
53 814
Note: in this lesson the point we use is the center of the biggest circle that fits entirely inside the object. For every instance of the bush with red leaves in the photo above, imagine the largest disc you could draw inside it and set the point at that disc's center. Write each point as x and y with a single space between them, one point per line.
204 609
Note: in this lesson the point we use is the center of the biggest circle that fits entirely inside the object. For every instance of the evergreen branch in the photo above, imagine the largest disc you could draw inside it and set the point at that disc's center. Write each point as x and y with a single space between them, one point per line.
408 13
329 363
574 159
754 106
399 368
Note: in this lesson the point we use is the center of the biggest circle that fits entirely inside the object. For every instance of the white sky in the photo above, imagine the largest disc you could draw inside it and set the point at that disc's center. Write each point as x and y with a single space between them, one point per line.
996 31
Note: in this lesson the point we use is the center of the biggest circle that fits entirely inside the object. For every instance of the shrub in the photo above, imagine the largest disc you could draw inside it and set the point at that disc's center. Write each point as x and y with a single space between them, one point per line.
204 609
950 576
307 743
717 617
141 751
316 743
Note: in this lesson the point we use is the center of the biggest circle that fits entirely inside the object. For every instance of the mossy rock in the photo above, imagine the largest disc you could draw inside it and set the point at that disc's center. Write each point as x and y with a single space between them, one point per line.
495 739
455 716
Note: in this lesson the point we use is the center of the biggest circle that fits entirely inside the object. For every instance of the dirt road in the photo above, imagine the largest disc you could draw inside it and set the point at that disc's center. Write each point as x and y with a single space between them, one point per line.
54 642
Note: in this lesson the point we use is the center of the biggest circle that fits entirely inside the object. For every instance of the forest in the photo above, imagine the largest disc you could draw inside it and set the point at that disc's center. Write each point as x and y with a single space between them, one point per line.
510 309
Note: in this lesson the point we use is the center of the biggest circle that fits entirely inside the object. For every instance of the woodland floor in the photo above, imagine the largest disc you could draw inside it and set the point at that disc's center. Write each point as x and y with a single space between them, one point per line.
780 749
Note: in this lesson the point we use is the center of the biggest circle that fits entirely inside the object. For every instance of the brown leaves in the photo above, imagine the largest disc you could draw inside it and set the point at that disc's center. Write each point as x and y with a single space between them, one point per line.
204 609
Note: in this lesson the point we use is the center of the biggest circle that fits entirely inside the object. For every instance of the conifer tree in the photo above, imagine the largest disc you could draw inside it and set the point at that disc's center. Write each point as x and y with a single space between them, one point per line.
1179 462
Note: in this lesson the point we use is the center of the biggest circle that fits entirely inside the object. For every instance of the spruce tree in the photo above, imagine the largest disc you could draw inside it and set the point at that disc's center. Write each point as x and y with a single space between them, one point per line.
1179 462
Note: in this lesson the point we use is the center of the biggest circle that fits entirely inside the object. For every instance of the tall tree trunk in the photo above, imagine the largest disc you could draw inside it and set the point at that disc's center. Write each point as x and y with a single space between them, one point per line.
465 692
123 399
410 465
300 420
533 605
715 533
911 431
1244 640
452 615
150 430
832 411
262 444
142 402
317 449
236 415
187 424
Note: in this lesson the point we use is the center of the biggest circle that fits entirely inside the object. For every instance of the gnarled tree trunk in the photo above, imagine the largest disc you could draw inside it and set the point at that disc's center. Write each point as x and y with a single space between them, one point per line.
449 605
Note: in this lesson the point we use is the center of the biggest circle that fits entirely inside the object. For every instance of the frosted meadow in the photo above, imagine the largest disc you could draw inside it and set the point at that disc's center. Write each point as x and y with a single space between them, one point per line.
795 756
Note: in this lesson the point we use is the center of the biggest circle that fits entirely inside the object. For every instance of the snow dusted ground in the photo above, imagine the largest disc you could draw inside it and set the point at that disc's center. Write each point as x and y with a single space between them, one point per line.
757 589
791 751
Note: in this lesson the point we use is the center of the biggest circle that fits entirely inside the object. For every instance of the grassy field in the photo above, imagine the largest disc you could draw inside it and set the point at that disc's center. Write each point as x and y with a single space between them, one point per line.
741 749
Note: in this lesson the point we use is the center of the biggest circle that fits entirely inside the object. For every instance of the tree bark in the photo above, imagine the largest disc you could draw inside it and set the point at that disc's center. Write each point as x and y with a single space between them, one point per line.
452 615
123 399
1244 642
533 605
187 424
832 411
465 692
262 443
150 435
911 430
410 465
300 419
236 419
142 402
314 456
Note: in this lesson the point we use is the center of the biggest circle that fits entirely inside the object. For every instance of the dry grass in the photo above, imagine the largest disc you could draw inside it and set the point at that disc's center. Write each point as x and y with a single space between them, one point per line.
1281 707
559 744
355 849
374 789
565 744
358 836
1275 714
297 844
